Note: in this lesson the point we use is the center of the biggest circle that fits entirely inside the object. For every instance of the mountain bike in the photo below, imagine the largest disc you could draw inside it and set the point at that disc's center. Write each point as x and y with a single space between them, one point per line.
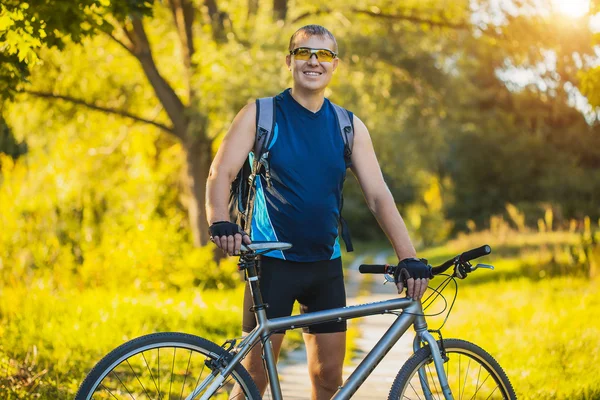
181 366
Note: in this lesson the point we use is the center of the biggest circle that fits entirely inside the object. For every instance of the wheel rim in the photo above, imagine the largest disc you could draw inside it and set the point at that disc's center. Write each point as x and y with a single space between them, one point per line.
161 371
469 377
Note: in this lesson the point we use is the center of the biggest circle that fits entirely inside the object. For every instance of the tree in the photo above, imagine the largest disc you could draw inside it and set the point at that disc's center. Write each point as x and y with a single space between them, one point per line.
27 26
400 48
188 111
590 83
8 144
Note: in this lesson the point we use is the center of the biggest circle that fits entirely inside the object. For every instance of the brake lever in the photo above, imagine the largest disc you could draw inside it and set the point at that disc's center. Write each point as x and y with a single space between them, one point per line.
485 266
388 278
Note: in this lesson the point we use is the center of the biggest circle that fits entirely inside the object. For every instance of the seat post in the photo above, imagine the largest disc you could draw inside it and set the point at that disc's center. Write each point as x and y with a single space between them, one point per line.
250 267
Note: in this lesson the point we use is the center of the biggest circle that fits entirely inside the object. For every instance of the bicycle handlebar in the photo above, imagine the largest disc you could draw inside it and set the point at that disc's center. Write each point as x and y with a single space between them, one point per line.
475 253
462 258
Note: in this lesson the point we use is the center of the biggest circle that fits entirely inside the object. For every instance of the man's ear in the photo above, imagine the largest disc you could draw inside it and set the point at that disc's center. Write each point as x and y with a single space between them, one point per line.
288 61
335 63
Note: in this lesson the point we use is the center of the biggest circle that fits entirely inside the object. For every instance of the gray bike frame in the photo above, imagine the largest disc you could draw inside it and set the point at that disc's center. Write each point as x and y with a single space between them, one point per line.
412 315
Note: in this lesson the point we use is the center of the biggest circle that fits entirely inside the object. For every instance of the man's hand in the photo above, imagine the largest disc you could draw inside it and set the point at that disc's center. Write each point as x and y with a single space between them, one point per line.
228 236
415 274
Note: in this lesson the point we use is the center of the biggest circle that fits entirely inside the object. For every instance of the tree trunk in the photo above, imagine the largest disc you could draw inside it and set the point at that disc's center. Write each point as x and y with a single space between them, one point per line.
252 8
198 159
280 9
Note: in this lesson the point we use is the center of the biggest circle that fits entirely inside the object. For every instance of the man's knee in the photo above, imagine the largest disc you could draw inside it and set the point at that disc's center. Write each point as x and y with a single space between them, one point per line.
254 363
327 374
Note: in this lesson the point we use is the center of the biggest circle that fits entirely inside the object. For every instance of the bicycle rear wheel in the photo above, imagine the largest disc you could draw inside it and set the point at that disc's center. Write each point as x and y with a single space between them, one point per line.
472 374
162 366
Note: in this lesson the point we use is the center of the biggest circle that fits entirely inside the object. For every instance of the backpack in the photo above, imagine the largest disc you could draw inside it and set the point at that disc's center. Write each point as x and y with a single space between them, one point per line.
243 188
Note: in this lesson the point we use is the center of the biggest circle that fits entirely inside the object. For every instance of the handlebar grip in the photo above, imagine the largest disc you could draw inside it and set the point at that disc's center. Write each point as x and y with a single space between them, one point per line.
475 253
442 268
372 268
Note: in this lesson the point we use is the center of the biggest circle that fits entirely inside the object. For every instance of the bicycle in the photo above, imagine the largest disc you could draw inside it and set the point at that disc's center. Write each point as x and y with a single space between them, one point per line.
204 370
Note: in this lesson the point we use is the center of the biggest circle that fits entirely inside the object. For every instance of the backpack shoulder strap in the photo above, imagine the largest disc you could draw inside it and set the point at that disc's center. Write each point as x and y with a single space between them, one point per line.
265 124
346 130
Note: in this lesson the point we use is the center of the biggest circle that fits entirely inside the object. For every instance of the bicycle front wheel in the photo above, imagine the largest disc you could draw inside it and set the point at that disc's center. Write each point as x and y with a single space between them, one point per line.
163 366
472 374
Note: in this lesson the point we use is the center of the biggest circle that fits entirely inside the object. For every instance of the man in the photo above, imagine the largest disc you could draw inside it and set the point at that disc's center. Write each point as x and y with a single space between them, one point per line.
302 206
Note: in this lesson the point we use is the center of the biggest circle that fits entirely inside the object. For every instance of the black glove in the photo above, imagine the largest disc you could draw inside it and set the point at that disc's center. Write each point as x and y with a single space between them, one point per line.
225 228
412 268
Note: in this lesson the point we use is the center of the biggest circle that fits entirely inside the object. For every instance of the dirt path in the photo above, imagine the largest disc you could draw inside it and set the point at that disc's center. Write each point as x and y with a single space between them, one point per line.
293 371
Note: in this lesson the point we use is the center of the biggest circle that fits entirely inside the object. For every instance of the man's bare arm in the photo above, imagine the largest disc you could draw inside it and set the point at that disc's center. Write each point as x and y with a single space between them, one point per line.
230 157
381 202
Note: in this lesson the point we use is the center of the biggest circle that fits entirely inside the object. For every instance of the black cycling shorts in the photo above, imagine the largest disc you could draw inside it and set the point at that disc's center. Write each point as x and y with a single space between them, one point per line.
315 285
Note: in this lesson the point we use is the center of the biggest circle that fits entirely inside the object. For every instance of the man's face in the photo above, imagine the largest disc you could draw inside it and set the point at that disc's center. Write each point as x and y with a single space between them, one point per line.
314 74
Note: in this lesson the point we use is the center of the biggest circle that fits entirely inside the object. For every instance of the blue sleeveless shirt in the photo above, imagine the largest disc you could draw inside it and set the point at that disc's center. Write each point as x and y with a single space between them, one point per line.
302 205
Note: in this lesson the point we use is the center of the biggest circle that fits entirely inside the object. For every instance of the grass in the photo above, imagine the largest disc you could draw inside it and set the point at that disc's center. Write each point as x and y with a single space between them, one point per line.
51 339
538 315
542 327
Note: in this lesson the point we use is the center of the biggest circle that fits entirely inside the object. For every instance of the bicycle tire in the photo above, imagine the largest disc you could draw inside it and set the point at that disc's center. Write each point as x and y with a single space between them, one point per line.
407 382
105 380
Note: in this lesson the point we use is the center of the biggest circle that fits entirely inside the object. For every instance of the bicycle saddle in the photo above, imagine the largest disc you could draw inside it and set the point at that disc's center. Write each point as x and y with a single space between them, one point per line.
265 245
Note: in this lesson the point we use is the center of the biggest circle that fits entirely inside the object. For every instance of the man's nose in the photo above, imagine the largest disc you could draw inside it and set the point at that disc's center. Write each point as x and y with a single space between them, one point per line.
313 60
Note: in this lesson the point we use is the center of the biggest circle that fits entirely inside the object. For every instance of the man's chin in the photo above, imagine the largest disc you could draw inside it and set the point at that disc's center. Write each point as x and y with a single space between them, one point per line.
313 86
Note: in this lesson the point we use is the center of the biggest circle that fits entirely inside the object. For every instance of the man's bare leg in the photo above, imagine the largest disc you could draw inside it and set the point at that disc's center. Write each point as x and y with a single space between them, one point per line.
325 353
254 365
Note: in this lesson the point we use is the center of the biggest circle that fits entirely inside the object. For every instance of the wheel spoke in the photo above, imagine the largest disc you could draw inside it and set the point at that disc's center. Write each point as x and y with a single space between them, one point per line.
477 384
459 373
480 386
128 372
200 376
413 388
434 385
158 368
138 379
115 374
186 375
470 379
172 369
151 375
465 382
109 391
491 393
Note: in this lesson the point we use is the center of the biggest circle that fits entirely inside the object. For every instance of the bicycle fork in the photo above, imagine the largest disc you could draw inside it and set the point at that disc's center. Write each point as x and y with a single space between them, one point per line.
423 335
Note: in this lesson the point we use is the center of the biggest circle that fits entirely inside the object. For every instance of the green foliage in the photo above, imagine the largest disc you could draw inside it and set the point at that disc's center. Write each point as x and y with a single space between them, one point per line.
590 79
590 82
92 210
432 96
95 248
93 215
27 26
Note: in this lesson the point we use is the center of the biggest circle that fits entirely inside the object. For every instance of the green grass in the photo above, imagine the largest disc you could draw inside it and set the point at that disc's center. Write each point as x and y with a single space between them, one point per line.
538 315
542 327
51 339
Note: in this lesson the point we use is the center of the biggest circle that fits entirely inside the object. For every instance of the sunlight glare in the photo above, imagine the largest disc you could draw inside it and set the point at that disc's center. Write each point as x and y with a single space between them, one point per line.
572 8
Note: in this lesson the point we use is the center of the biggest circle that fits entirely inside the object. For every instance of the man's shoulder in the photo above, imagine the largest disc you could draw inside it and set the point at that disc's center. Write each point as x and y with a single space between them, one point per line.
334 104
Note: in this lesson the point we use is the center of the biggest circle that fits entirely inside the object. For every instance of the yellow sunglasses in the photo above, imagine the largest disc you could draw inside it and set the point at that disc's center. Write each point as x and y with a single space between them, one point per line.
305 53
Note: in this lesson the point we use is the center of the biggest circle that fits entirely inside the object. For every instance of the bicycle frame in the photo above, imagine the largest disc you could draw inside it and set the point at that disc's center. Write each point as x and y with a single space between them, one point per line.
412 315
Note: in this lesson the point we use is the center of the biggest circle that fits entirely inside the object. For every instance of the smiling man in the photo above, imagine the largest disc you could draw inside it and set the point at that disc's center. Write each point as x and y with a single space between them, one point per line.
301 204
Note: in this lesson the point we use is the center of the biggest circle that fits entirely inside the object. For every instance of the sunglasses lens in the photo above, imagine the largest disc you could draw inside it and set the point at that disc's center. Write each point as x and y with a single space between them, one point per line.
302 54
325 56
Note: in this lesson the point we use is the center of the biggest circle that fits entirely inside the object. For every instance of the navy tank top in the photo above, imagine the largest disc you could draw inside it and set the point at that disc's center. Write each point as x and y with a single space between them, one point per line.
302 205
